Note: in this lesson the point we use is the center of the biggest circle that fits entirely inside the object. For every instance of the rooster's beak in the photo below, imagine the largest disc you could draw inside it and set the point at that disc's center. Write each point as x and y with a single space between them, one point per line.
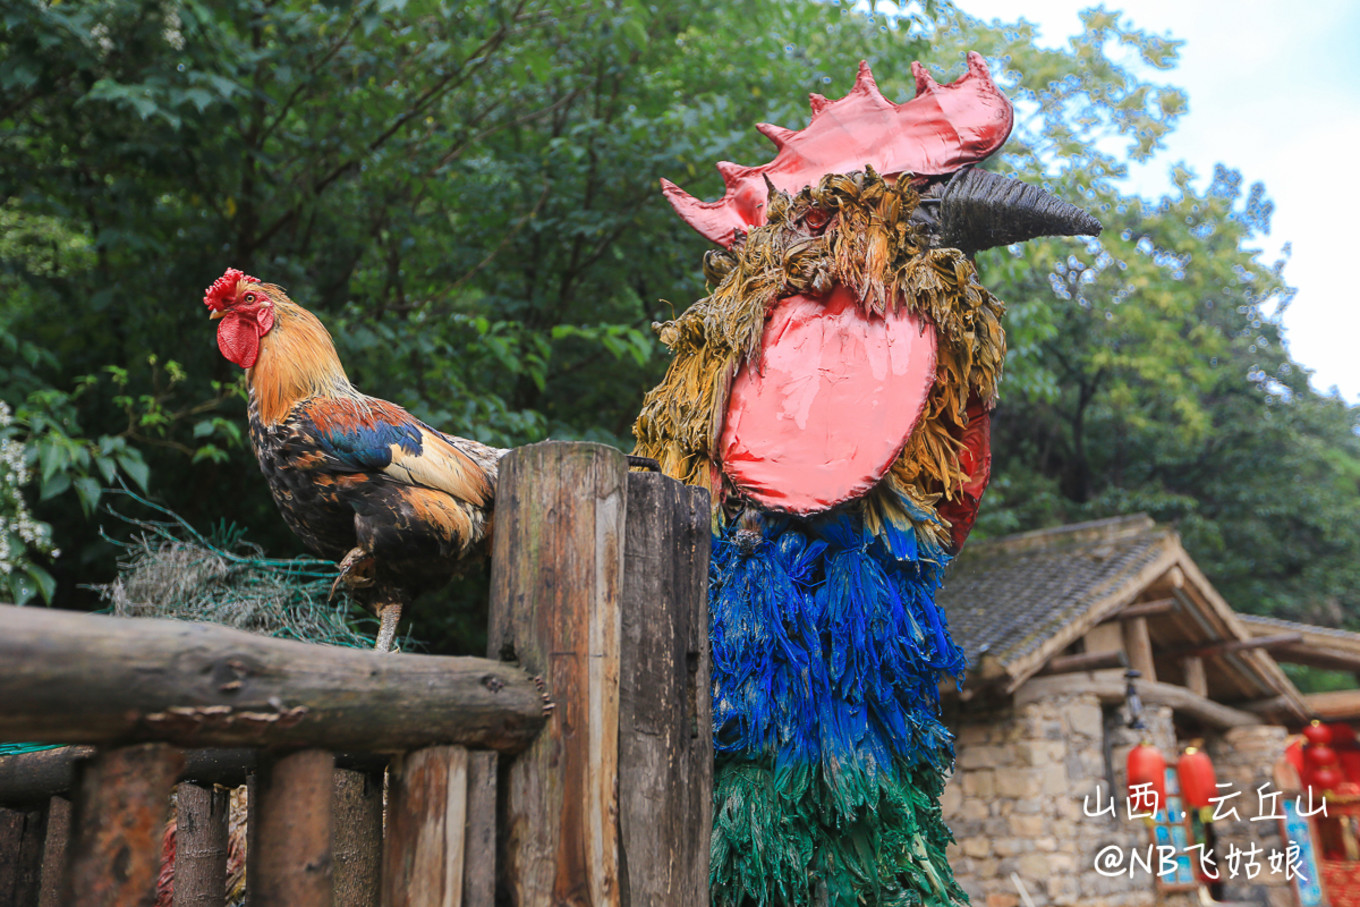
216 315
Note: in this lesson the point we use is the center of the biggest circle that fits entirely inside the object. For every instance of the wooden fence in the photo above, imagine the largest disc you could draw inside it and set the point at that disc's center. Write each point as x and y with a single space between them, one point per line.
571 766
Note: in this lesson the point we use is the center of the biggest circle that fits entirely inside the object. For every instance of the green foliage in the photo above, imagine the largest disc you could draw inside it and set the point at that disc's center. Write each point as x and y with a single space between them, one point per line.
466 193
1147 369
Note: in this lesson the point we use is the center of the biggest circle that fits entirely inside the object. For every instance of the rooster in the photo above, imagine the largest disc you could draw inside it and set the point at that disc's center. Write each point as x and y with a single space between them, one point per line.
402 507
833 393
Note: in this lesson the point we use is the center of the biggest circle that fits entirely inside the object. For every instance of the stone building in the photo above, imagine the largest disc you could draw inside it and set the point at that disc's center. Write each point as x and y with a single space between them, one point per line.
1051 622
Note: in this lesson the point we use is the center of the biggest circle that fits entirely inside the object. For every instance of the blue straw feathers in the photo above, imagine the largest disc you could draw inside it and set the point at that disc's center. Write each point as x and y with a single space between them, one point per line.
827 655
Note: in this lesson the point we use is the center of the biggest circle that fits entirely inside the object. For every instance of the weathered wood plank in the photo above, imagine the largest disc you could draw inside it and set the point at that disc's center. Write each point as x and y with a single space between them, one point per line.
289 857
357 837
479 852
556 579
426 821
54 851
200 846
21 852
85 678
665 725
122 799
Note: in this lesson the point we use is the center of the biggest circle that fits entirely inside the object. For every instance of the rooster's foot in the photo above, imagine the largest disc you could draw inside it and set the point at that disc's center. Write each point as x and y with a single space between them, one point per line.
355 571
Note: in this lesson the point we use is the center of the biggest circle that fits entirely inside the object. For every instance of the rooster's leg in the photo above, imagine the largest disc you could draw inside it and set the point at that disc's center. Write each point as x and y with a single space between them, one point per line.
388 615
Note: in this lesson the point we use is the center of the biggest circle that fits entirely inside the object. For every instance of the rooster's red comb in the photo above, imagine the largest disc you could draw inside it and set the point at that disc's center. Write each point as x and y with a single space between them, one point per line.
223 291
935 133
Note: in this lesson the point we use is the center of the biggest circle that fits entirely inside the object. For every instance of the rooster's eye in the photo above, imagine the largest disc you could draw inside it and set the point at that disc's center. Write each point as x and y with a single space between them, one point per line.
250 297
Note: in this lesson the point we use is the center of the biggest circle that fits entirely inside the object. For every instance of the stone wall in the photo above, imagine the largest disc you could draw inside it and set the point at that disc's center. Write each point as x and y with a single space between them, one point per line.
1244 758
1016 805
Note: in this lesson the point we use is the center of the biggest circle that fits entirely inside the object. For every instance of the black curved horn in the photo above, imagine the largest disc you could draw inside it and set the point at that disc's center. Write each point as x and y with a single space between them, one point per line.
981 210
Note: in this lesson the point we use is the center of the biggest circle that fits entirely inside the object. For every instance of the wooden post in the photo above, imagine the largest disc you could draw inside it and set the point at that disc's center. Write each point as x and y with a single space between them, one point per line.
289 856
665 724
479 855
1195 680
556 579
357 837
1139 647
426 820
21 851
54 851
200 846
119 819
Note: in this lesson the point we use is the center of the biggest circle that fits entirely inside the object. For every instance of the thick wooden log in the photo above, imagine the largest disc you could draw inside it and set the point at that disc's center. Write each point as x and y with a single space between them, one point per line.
85 678
479 853
21 854
288 860
556 579
665 724
118 822
357 837
1110 690
28 778
200 845
426 821
54 851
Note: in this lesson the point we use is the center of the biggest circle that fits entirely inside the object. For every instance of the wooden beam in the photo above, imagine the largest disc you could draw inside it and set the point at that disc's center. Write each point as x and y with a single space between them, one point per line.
1228 646
1338 705
288 859
356 837
556 581
21 855
117 825
479 854
200 845
1110 689
1139 646
27 778
86 678
1195 679
54 851
665 723
1085 661
426 820
1144 609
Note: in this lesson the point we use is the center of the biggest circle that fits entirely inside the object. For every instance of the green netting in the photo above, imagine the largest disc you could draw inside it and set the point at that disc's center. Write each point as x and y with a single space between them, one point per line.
169 569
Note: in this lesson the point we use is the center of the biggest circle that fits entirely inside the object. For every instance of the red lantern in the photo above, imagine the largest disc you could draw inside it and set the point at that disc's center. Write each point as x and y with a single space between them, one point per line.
1326 778
1196 773
1319 755
1146 767
1318 733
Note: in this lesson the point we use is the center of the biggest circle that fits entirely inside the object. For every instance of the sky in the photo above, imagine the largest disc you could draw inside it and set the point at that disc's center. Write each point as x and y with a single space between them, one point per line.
1274 91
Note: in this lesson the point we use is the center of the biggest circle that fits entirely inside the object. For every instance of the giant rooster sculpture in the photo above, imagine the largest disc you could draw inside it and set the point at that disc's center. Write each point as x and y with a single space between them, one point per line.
401 506
833 392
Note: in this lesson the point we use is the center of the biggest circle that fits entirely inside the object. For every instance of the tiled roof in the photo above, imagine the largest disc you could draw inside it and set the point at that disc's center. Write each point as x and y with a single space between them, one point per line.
1005 598
1260 625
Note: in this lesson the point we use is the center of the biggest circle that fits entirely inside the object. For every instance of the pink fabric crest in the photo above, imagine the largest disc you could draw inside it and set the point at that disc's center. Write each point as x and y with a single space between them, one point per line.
935 133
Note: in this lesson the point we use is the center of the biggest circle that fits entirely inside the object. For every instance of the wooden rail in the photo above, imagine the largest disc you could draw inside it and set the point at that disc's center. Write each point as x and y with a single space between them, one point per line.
573 765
